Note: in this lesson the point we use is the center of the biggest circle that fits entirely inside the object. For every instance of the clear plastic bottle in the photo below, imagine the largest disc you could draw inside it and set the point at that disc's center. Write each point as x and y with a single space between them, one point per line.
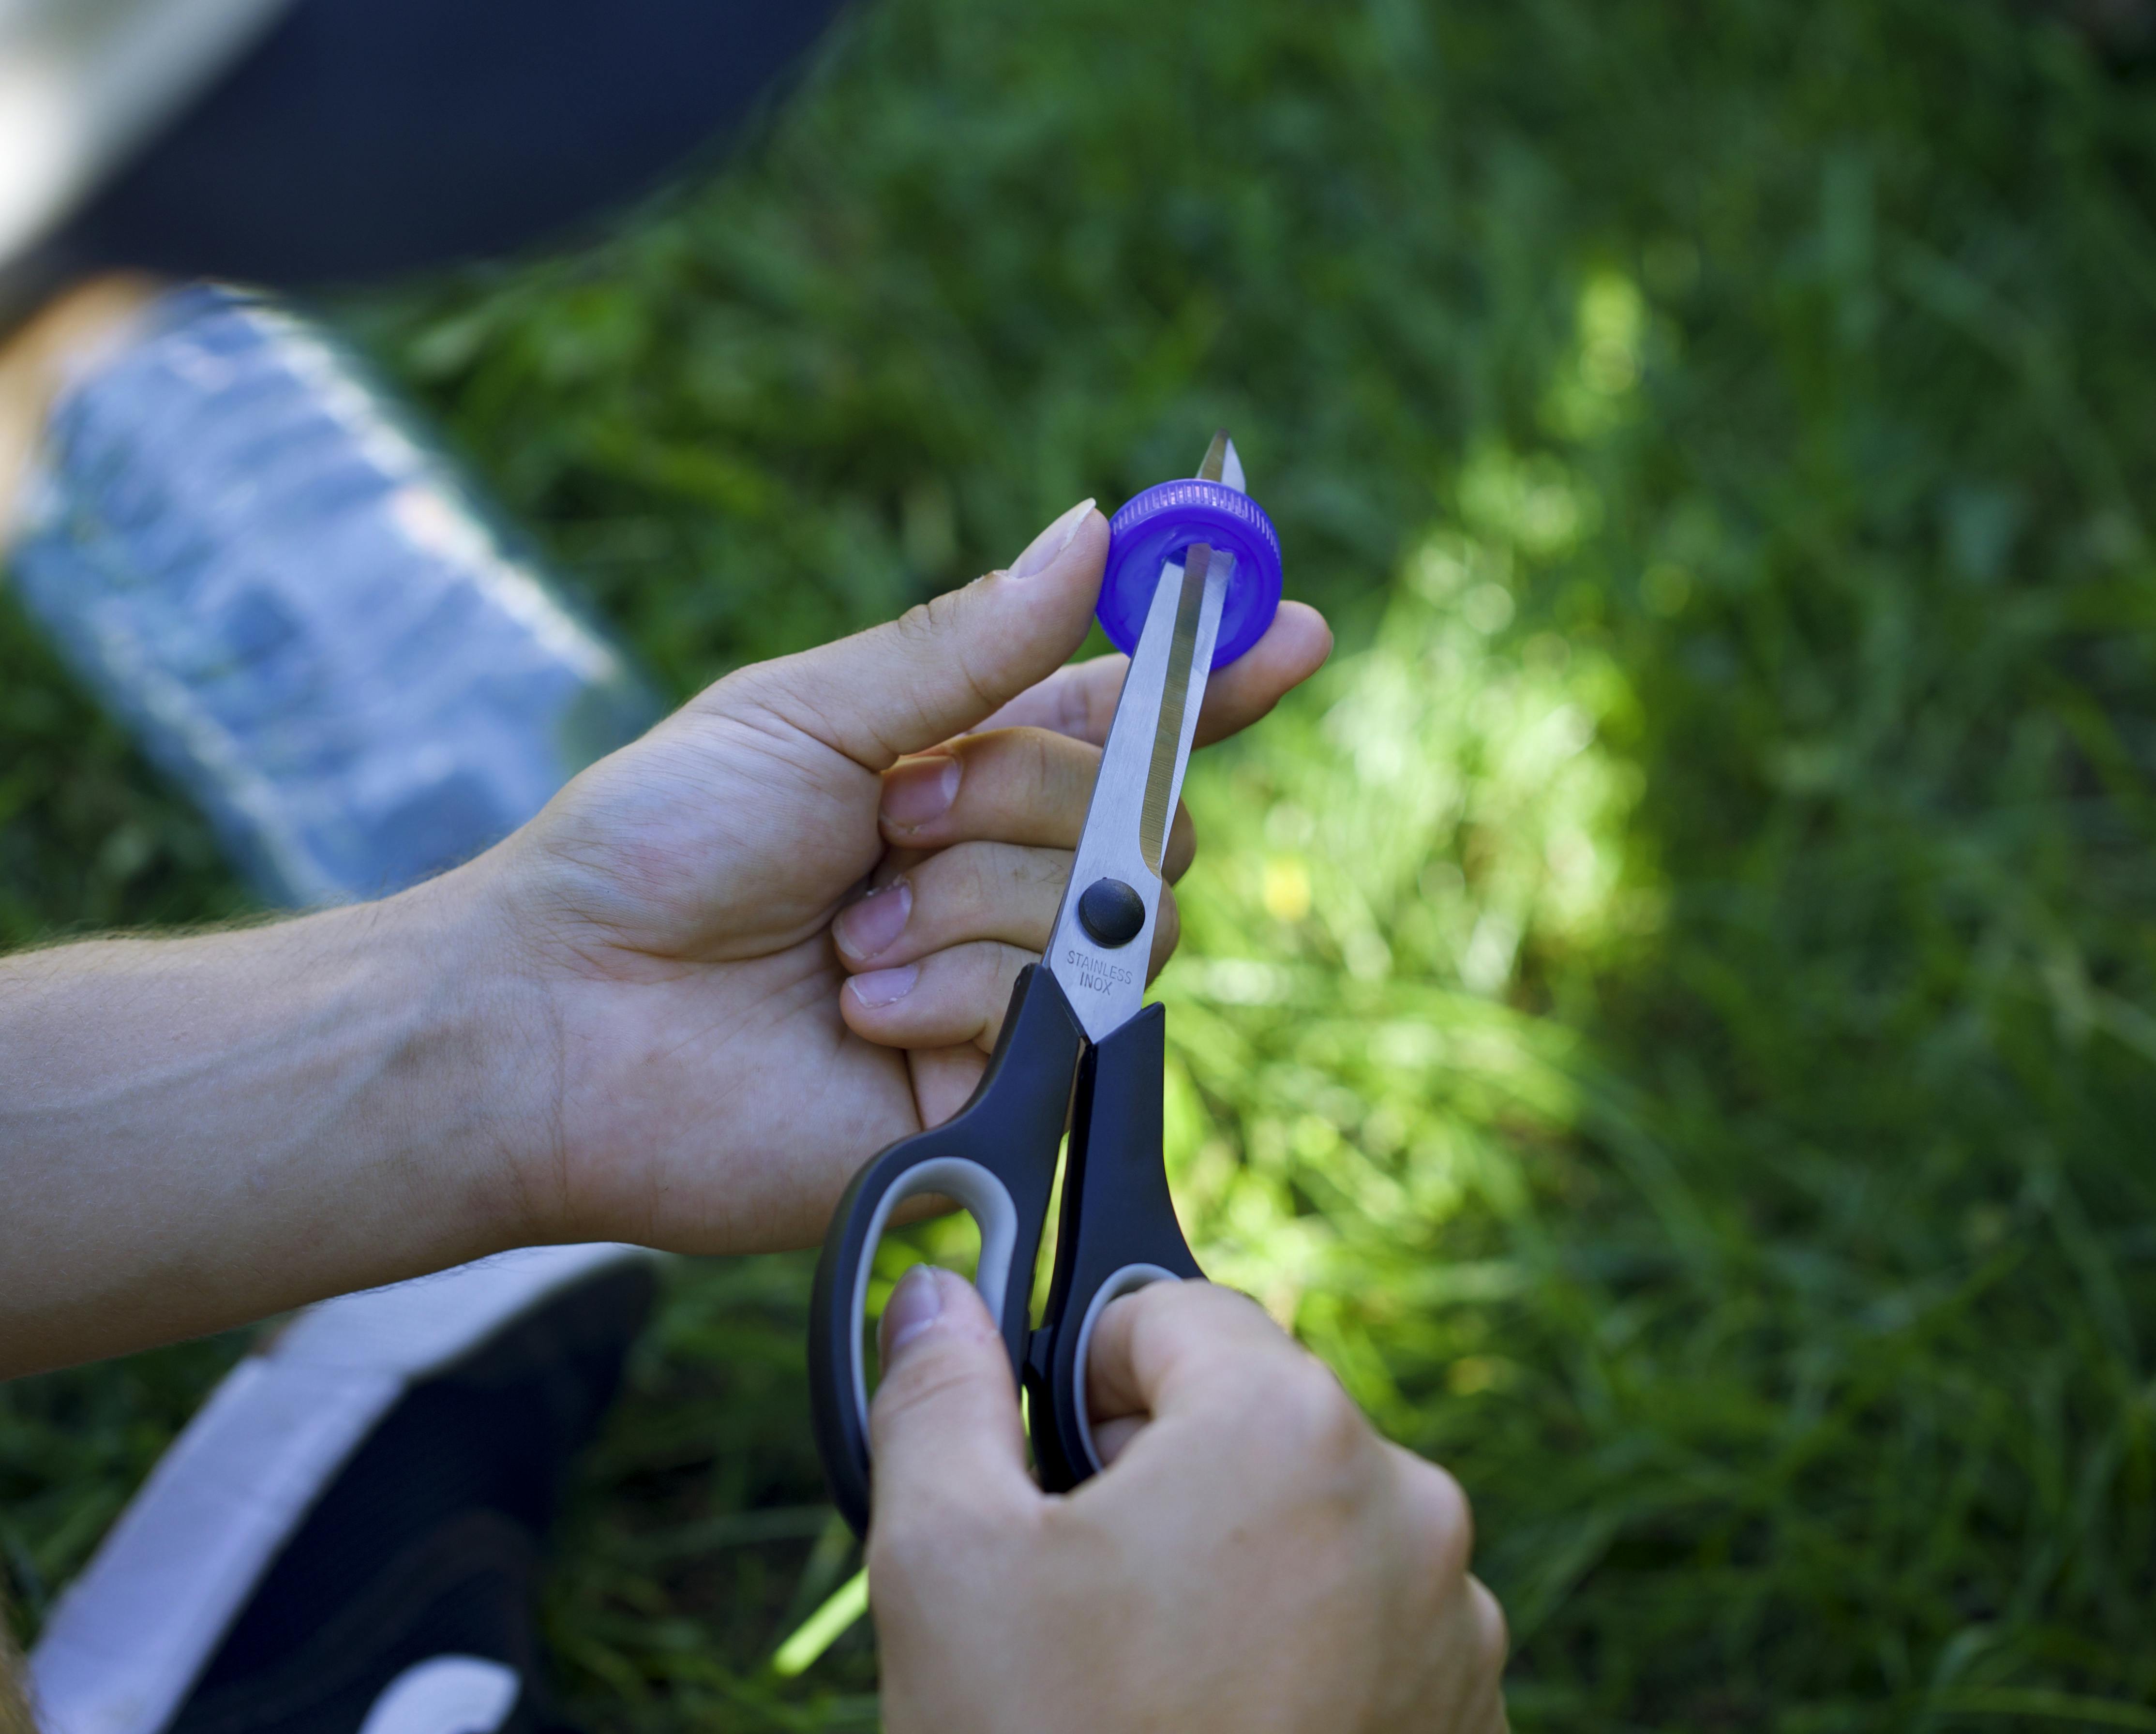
304 614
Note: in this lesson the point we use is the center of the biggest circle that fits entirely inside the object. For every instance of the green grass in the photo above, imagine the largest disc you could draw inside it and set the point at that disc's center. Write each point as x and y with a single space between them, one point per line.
1670 1016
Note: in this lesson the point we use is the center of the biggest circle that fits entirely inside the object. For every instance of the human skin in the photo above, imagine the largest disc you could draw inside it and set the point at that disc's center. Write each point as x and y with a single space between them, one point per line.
63 338
1254 1559
662 1012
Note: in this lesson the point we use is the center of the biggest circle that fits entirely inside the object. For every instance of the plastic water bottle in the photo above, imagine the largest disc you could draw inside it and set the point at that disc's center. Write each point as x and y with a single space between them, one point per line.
306 616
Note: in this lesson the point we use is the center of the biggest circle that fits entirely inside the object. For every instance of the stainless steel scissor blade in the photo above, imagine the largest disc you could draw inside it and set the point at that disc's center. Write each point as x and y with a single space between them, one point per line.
1102 938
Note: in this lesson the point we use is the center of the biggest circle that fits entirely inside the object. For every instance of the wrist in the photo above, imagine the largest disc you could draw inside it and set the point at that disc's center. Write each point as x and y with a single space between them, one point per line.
485 1045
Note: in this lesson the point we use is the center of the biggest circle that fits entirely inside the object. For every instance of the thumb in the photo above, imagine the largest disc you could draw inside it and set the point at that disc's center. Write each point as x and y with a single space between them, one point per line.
947 664
944 1425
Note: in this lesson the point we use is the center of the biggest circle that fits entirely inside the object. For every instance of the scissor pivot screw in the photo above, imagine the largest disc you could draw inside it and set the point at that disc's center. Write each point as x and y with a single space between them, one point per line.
1111 911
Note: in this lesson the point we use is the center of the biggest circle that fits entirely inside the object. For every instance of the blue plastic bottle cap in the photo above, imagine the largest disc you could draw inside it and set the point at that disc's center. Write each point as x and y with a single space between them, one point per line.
1157 525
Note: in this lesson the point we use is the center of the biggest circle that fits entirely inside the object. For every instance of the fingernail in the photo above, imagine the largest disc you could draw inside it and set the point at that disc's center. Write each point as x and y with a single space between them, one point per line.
914 1305
1041 553
881 987
873 925
915 790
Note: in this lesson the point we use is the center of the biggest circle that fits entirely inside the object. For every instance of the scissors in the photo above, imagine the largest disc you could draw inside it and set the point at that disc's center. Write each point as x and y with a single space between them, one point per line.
1192 580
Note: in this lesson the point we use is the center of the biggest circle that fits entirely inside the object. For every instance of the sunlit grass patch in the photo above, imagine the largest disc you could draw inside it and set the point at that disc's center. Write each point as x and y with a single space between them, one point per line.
1398 878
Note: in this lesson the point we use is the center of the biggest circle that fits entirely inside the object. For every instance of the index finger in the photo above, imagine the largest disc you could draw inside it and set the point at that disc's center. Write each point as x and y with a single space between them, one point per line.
1080 697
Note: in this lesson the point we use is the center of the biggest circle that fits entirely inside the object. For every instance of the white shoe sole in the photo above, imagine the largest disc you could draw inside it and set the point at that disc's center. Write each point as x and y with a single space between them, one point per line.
136 1627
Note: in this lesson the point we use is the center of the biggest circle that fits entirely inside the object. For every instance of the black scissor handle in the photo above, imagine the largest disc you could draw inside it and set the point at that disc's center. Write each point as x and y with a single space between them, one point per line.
1117 1232
996 1157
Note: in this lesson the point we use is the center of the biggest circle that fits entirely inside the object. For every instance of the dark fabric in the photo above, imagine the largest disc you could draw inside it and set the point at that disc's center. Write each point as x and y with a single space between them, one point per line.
469 1589
429 1542
364 137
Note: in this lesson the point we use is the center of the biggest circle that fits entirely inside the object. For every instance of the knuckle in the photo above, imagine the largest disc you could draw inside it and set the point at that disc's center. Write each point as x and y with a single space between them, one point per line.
1040 759
918 623
983 695
942 612
1326 1423
935 622
749 687
1493 1635
933 1373
996 967
1447 1520
977 883
972 973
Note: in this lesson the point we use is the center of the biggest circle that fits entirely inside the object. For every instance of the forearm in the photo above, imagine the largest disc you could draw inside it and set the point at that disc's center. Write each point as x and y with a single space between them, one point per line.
195 1132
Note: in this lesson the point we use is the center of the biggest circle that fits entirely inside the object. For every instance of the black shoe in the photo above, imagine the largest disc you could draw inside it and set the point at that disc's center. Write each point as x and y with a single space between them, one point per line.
348 1537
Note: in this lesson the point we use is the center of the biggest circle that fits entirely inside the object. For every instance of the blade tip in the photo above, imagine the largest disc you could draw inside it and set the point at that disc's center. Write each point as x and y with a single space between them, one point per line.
1231 464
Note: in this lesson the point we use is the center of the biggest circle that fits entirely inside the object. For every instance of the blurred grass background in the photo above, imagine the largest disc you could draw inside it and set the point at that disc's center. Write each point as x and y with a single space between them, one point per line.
1670 1014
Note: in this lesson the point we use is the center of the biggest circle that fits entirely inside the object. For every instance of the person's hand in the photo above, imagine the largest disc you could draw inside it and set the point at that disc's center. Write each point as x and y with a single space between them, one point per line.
1254 1559
716 1053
